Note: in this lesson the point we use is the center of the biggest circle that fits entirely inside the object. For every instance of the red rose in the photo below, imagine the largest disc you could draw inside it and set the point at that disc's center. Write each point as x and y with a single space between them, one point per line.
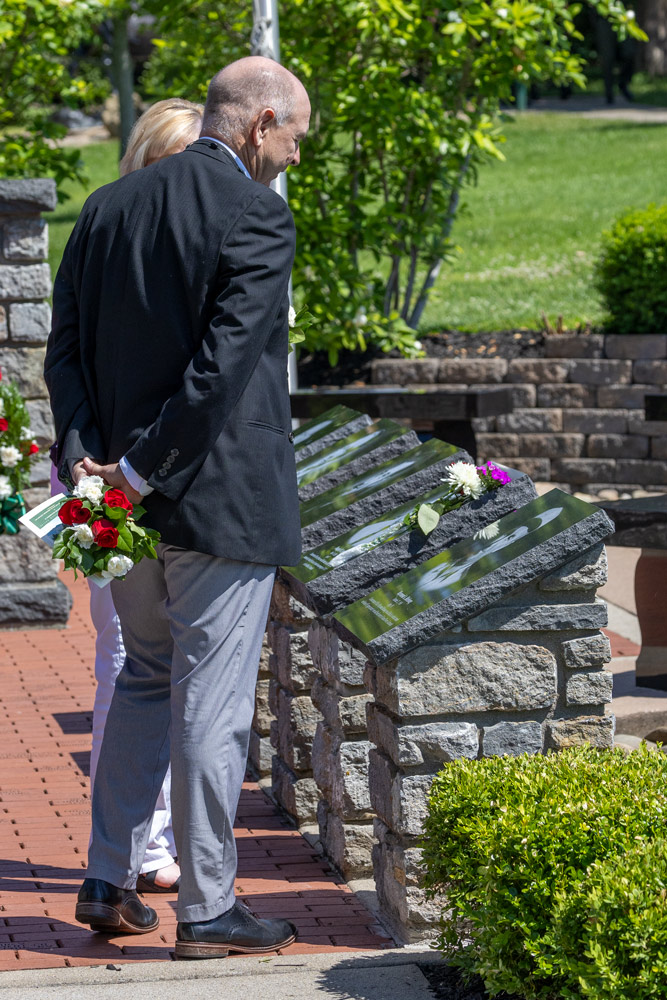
116 498
104 533
73 512
4 423
33 449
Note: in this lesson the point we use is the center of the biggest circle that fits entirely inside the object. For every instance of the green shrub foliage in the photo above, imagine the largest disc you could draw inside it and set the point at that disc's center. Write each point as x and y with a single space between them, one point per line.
38 39
406 99
631 270
555 872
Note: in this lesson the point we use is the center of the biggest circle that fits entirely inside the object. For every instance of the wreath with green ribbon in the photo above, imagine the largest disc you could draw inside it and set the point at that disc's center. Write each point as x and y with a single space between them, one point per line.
17 453
11 509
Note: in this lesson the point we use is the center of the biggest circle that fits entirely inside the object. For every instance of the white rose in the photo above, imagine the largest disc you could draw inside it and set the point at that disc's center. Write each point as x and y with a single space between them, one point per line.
5 487
291 316
9 455
90 488
117 566
25 434
2 407
83 534
463 476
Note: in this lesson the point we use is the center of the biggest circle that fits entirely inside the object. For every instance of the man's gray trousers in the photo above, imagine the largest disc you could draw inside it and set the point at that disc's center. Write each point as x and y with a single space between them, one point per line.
192 626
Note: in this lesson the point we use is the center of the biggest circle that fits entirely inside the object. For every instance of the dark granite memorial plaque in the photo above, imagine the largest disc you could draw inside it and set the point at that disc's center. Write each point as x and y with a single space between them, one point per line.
375 491
366 557
354 466
348 449
320 432
472 575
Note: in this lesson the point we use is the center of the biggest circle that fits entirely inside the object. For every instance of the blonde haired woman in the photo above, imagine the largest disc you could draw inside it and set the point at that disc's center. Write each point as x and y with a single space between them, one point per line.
166 128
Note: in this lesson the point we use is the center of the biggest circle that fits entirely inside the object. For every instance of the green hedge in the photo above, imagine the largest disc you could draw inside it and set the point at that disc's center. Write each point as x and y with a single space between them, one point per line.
631 272
555 872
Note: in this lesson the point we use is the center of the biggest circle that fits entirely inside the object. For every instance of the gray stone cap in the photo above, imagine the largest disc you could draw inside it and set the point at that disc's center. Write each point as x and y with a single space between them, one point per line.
26 196
540 558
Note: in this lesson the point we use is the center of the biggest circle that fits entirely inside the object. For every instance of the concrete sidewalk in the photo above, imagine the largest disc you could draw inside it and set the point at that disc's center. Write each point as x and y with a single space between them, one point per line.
389 975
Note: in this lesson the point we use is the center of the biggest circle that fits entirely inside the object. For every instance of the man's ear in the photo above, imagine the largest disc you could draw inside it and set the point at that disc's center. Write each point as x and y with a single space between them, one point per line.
262 124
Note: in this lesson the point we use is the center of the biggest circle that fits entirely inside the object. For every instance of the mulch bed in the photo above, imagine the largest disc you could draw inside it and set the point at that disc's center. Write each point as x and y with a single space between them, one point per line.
354 368
448 983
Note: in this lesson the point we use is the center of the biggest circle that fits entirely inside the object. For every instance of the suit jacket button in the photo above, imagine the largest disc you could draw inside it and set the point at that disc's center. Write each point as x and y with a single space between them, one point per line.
290 437
174 452
162 472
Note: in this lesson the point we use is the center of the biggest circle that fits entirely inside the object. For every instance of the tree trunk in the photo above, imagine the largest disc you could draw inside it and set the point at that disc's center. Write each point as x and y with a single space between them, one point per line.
652 17
123 75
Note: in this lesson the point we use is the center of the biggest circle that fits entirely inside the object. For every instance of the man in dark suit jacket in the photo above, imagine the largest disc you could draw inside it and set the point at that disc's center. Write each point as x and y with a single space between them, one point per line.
167 370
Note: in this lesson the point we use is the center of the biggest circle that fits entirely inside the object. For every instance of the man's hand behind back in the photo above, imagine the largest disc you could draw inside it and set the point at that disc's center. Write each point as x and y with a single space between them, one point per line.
112 475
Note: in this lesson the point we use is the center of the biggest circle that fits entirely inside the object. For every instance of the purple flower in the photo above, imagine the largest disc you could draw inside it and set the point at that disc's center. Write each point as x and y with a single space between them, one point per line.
489 470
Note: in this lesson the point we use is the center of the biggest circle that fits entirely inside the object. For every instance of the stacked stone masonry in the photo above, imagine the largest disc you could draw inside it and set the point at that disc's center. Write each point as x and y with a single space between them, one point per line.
579 411
357 745
29 591
479 692
291 714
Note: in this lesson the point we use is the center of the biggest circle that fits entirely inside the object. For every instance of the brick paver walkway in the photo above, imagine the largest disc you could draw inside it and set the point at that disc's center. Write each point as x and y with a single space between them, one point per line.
46 695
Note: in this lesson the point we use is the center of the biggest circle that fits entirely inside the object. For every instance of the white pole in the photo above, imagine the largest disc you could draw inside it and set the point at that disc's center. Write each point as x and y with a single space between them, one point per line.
265 41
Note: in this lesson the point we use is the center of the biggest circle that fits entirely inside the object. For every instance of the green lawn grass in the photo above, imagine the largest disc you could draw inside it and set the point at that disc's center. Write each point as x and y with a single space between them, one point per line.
532 225
101 160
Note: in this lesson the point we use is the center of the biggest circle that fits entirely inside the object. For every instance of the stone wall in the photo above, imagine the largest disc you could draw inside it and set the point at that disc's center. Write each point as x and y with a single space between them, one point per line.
29 592
355 746
579 411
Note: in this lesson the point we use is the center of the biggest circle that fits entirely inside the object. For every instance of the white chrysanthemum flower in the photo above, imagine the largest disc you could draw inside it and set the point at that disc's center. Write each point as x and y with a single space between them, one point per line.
117 566
83 534
90 488
5 487
360 317
9 456
463 476
25 434
487 533
291 316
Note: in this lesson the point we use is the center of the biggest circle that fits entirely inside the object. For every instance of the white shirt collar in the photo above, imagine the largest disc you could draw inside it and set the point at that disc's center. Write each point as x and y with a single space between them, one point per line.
237 159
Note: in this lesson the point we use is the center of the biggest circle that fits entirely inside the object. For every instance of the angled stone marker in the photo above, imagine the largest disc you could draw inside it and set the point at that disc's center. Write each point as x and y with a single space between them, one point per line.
324 430
475 574
364 558
379 442
375 491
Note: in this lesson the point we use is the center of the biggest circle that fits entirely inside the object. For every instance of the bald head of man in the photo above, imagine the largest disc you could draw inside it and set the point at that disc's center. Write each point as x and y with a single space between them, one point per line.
261 111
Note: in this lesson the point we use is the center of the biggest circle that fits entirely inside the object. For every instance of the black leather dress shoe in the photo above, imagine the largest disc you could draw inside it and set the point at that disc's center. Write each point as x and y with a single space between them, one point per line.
235 930
113 911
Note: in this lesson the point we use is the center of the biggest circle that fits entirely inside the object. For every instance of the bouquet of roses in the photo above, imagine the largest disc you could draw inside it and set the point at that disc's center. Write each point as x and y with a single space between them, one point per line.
17 453
101 537
466 482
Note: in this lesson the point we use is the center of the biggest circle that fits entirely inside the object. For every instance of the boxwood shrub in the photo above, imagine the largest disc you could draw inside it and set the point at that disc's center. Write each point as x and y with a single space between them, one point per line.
630 272
555 872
